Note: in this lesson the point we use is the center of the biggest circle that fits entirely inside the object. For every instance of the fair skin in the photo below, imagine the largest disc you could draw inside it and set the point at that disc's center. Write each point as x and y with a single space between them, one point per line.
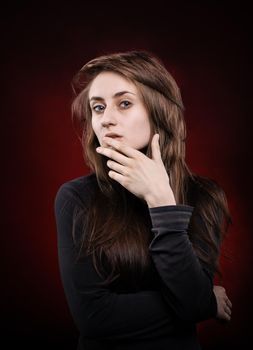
117 107
224 305
126 115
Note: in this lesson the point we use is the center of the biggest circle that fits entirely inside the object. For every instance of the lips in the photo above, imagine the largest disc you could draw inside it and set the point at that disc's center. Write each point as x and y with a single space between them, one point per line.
112 135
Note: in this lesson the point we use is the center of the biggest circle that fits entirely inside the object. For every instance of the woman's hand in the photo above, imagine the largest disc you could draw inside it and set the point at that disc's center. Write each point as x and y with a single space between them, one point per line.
146 178
224 305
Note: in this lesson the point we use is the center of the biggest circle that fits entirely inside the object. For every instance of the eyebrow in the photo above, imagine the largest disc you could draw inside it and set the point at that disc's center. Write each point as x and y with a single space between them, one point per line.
120 93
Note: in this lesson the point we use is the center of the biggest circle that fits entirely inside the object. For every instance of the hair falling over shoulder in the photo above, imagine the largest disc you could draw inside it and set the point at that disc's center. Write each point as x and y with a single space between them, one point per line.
117 224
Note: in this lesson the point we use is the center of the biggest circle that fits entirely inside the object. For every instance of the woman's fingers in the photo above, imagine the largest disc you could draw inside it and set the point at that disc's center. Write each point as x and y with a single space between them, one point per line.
225 313
114 155
121 147
116 167
156 152
224 305
228 317
228 310
118 151
229 303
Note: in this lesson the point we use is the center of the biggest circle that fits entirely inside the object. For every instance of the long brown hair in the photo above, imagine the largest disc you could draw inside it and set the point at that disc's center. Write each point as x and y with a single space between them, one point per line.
116 224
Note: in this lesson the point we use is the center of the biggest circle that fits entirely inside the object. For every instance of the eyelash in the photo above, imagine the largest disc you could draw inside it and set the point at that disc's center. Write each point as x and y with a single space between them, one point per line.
129 103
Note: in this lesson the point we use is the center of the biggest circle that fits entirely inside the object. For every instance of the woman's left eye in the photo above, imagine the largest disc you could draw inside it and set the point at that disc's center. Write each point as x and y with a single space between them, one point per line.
125 104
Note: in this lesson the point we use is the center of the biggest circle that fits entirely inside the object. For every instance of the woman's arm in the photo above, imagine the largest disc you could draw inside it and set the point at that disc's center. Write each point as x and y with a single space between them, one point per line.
97 312
187 286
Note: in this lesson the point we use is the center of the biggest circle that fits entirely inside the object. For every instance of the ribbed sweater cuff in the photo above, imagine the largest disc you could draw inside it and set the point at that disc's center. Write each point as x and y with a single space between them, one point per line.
173 217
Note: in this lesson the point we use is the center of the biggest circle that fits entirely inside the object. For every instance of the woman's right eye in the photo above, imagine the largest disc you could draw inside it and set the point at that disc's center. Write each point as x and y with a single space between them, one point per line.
97 108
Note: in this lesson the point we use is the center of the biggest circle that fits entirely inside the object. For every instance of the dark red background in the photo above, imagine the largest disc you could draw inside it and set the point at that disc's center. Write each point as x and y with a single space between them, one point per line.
207 49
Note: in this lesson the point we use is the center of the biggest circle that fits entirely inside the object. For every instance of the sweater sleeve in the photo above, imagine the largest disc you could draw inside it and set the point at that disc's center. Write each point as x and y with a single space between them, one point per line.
98 312
187 286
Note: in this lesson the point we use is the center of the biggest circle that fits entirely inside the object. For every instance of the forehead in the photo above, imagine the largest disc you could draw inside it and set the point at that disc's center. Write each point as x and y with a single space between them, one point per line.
107 84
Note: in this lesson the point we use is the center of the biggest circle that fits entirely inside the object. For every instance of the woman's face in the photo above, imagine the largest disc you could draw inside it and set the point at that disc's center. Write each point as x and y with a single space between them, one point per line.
118 108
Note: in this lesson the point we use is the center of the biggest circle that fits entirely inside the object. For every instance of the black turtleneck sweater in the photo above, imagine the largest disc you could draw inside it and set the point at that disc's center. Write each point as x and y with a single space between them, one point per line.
161 316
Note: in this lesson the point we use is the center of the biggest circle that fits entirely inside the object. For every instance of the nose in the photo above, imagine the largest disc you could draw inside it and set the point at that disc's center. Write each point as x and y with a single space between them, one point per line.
109 117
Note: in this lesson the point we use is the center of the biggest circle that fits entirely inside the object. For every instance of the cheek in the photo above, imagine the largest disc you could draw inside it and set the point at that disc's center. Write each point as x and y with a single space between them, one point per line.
92 123
97 131
140 130
94 126
143 126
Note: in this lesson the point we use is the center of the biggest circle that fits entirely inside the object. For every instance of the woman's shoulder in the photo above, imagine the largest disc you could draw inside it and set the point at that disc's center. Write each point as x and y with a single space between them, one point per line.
77 189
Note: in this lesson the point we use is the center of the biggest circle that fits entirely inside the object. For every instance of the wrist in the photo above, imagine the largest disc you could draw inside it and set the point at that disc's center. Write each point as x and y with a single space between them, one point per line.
160 200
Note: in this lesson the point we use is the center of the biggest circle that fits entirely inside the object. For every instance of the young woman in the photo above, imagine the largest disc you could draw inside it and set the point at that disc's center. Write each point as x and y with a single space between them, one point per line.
139 237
